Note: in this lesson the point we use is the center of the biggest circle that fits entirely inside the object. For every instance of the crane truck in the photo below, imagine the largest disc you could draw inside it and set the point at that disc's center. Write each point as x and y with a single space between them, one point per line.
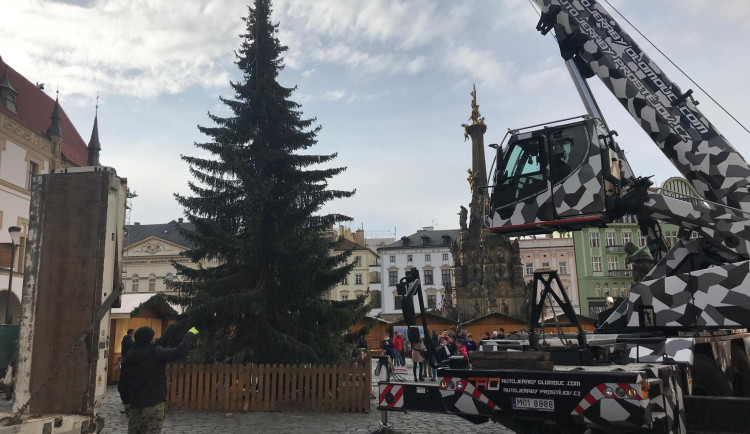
673 356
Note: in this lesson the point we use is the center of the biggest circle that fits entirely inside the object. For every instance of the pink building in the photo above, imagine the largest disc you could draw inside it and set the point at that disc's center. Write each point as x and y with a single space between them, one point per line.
557 252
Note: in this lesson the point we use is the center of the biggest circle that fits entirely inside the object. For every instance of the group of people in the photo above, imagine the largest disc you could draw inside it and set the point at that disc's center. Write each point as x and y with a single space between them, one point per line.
452 342
143 380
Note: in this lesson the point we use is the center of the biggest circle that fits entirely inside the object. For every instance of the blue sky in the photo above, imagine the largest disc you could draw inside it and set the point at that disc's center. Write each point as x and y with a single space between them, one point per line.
388 80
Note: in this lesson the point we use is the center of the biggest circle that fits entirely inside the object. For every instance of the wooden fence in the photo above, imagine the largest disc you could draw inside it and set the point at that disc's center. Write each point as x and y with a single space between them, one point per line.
253 387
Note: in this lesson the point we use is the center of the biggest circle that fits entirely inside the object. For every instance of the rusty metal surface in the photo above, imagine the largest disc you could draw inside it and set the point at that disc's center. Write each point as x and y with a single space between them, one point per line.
72 229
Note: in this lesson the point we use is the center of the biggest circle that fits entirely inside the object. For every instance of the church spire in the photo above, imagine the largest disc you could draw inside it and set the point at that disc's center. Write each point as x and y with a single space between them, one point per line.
54 129
94 146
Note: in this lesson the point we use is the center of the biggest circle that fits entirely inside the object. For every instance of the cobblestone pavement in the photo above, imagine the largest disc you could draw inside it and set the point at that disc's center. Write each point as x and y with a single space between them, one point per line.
201 421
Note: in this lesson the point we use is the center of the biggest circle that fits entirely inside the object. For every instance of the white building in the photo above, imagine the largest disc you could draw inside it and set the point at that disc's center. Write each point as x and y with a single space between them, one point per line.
428 251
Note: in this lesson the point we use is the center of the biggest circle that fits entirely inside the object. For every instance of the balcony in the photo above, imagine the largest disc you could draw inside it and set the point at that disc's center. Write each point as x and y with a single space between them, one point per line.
615 249
620 273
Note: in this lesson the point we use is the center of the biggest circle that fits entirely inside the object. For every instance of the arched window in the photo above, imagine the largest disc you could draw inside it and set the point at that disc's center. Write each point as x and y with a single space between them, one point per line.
134 283
152 282
168 279
606 289
597 290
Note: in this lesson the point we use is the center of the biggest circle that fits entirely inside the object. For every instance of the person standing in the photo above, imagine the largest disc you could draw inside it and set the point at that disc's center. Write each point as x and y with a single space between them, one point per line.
471 344
416 358
398 349
127 343
143 380
387 346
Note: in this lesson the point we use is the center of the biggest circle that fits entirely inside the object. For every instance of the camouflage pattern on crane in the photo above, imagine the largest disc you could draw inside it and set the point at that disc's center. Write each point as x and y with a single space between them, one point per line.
666 114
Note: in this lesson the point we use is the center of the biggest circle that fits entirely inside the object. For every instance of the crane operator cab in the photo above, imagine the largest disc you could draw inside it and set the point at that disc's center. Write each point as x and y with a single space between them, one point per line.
554 179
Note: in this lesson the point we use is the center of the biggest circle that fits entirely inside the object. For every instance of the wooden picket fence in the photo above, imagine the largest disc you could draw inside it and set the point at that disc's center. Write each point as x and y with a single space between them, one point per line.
251 387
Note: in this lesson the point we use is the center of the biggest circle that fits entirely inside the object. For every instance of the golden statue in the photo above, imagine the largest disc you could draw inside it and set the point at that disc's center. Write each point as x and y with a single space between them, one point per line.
471 178
475 117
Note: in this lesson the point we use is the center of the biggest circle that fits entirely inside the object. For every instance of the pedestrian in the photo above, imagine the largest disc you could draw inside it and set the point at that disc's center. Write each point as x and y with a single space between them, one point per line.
387 346
486 335
501 335
398 348
461 351
471 344
416 358
143 380
127 343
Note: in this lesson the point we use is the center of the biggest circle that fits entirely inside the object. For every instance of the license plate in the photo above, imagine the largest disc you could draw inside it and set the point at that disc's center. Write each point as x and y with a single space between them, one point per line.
533 404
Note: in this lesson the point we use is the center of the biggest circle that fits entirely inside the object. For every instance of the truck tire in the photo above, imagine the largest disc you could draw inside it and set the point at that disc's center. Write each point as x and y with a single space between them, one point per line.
708 379
741 368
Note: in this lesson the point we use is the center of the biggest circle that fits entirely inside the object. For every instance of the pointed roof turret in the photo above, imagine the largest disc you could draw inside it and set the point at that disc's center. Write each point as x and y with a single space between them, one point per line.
7 93
55 130
94 146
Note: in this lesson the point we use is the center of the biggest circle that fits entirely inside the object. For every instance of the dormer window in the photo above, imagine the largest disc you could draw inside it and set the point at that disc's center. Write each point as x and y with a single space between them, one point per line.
446 240
425 240
405 240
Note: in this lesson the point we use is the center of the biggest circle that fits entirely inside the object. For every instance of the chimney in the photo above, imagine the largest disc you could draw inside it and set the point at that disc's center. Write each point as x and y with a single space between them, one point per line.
179 219
359 237
137 223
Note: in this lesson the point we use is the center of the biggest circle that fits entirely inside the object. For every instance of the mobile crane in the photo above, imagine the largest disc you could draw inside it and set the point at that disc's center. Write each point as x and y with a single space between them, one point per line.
673 357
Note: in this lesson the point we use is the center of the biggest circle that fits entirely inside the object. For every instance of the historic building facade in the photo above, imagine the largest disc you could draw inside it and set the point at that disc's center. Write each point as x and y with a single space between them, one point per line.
556 252
601 256
427 250
36 137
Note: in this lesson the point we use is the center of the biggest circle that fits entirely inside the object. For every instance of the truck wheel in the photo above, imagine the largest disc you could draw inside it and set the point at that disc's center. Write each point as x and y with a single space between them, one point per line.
708 379
741 365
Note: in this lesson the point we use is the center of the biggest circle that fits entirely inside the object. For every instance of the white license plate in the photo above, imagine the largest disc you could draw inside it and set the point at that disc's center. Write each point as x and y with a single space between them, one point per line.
533 404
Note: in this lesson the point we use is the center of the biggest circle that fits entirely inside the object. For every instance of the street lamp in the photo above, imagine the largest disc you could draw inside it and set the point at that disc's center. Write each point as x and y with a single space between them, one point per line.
15 234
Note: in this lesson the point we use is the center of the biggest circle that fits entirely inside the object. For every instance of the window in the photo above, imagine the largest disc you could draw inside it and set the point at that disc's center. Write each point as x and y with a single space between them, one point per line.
563 267
392 278
375 299
624 292
606 289
529 268
427 257
596 263
445 256
545 264
33 170
345 280
670 237
393 258
134 283
594 239
409 258
357 279
614 289
446 276
152 282
168 279
611 238
344 297
641 241
597 290
357 261
613 263
428 277
431 301
397 302
627 237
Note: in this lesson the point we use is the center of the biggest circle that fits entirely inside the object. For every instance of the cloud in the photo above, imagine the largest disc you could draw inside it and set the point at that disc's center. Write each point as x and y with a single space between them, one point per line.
138 48
334 95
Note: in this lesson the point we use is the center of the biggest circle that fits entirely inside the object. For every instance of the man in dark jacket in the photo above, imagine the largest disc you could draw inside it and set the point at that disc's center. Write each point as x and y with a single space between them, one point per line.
127 342
143 380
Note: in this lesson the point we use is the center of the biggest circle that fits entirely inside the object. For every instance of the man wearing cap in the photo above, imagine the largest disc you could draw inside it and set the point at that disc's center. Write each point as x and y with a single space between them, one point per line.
143 380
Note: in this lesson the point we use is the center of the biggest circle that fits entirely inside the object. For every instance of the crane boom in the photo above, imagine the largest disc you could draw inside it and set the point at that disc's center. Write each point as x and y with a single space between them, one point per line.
704 157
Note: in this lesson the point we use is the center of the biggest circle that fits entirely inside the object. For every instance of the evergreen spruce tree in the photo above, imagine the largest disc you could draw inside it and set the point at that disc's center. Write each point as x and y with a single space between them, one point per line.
254 204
